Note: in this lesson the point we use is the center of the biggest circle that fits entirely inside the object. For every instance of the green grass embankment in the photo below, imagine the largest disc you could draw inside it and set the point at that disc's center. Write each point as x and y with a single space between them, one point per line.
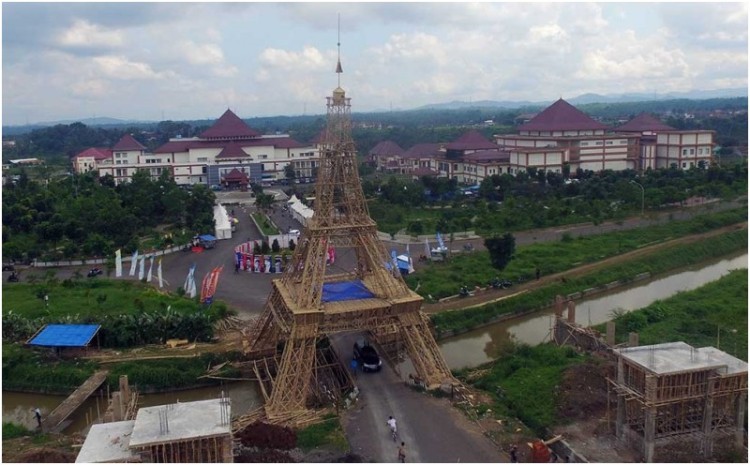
658 262
443 279
29 370
523 383
714 314
264 224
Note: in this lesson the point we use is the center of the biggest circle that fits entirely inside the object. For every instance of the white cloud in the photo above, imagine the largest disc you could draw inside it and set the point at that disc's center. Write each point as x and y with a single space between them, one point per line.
119 67
85 34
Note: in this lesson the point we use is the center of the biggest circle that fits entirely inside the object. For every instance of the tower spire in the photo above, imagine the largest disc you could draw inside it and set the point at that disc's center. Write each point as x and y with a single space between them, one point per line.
339 70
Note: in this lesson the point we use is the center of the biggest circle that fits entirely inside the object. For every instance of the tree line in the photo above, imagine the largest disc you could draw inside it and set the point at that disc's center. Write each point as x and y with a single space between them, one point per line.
83 216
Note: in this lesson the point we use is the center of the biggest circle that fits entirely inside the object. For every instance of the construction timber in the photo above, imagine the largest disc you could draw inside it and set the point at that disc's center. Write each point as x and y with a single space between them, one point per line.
296 316
674 398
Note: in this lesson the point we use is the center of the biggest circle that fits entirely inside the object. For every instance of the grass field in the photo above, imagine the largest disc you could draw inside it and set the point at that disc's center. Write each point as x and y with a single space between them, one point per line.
658 262
442 279
712 315
265 225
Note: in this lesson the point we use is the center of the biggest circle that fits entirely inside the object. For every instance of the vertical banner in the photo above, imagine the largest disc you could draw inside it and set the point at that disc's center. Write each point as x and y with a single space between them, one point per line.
141 268
118 263
150 268
279 267
133 263
267 264
158 274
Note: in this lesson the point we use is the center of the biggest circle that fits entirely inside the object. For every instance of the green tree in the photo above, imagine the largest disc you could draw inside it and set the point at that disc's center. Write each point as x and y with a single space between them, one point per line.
501 250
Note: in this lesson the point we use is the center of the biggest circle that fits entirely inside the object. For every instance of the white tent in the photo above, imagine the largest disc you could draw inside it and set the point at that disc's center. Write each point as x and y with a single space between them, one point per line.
300 211
223 225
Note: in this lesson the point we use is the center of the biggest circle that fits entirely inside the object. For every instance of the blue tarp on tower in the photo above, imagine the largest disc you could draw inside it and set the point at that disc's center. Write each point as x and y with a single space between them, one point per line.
345 290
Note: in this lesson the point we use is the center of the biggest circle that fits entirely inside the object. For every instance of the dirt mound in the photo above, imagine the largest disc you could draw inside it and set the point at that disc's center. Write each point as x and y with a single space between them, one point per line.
44 455
583 390
264 456
267 436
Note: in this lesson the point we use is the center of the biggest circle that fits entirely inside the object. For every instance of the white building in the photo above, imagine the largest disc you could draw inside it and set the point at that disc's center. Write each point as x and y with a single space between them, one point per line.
227 145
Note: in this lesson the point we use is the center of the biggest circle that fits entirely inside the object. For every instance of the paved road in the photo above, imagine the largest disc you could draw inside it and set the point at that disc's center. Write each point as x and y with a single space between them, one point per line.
433 431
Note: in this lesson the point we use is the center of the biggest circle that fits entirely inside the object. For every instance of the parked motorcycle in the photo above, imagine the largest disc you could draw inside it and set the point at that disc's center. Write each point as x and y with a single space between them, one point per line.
498 283
13 277
93 272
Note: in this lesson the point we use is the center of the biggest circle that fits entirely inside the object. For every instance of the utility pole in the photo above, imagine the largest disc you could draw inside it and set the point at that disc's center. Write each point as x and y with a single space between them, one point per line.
643 195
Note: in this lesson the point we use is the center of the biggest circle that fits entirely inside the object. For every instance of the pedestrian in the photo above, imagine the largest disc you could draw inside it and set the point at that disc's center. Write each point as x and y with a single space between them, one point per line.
402 453
513 454
392 425
237 267
353 365
38 415
537 274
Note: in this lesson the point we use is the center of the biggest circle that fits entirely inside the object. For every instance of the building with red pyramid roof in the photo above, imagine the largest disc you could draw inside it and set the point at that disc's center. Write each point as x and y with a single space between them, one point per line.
228 145
559 139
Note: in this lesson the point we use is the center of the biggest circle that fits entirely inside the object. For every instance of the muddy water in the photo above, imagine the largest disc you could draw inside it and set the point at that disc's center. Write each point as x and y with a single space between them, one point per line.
484 344
18 407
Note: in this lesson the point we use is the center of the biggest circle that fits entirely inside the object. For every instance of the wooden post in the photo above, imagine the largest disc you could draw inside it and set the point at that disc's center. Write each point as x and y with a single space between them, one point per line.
610 333
571 311
633 340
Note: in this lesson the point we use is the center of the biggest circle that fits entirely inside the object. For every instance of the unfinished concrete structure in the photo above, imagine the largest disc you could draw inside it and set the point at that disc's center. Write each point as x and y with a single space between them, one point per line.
189 432
675 398
313 300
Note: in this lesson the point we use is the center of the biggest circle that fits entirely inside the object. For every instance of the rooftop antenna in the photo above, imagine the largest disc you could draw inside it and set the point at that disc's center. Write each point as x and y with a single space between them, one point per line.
339 70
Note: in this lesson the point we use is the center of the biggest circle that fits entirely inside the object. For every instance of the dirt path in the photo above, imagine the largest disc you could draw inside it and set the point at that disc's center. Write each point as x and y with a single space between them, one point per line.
483 297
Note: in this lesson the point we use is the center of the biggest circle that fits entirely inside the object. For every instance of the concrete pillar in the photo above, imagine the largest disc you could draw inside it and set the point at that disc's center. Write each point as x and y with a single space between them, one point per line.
739 430
610 333
117 411
571 311
559 300
648 434
649 418
124 389
620 421
708 413
633 340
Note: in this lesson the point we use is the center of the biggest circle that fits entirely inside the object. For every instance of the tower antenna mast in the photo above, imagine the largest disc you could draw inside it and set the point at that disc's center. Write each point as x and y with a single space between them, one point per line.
339 70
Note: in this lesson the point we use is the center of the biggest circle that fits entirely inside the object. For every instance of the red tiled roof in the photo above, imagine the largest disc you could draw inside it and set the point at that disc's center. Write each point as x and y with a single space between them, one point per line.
229 125
485 156
426 150
176 146
561 116
644 122
472 140
97 152
232 150
235 175
424 171
387 147
128 142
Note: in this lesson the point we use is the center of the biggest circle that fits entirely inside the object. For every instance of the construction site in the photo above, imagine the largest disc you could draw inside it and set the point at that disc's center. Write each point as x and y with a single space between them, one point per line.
667 402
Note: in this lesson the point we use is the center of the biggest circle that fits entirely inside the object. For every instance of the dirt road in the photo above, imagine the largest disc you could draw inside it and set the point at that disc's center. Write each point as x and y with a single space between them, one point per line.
433 431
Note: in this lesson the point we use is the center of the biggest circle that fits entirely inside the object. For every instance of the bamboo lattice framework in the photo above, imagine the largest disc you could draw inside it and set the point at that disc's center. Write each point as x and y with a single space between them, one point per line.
295 314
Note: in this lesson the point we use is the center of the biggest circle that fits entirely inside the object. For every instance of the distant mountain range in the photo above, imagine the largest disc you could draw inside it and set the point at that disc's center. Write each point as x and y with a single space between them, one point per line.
455 105
592 98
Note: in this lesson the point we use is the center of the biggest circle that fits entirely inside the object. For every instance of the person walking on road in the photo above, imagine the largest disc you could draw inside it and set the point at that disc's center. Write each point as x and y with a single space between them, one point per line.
402 453
513 454
38 415
354 365
392 425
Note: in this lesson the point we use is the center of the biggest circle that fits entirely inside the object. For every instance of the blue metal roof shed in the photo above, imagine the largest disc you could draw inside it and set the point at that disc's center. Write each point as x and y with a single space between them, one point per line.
64 335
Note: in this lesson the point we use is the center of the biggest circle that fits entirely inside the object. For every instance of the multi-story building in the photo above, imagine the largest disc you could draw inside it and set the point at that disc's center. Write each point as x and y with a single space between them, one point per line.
559 136
228 145
663 146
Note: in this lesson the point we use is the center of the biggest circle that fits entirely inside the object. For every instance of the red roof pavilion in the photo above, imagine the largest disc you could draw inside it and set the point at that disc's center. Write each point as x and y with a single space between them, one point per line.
561 116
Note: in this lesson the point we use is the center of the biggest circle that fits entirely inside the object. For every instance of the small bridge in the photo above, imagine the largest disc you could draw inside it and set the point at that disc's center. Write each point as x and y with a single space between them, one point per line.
54 421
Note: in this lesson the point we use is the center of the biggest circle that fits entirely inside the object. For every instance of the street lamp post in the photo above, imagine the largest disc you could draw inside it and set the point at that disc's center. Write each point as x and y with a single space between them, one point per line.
643 195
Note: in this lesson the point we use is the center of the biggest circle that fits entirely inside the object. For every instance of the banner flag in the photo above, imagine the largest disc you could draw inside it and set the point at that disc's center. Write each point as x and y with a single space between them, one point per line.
118 263
141 268
331 255
191 289
150 269
133 262
427 251
158 274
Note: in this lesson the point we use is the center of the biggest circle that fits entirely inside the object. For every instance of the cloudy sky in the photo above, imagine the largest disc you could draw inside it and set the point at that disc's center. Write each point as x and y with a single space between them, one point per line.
155 61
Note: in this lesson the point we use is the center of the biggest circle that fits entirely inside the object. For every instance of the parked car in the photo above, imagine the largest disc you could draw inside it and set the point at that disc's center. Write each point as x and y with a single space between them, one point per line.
367 356
93 272
8 267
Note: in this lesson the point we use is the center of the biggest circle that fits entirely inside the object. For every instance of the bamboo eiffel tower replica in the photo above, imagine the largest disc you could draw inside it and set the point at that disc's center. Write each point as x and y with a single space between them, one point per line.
298 314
